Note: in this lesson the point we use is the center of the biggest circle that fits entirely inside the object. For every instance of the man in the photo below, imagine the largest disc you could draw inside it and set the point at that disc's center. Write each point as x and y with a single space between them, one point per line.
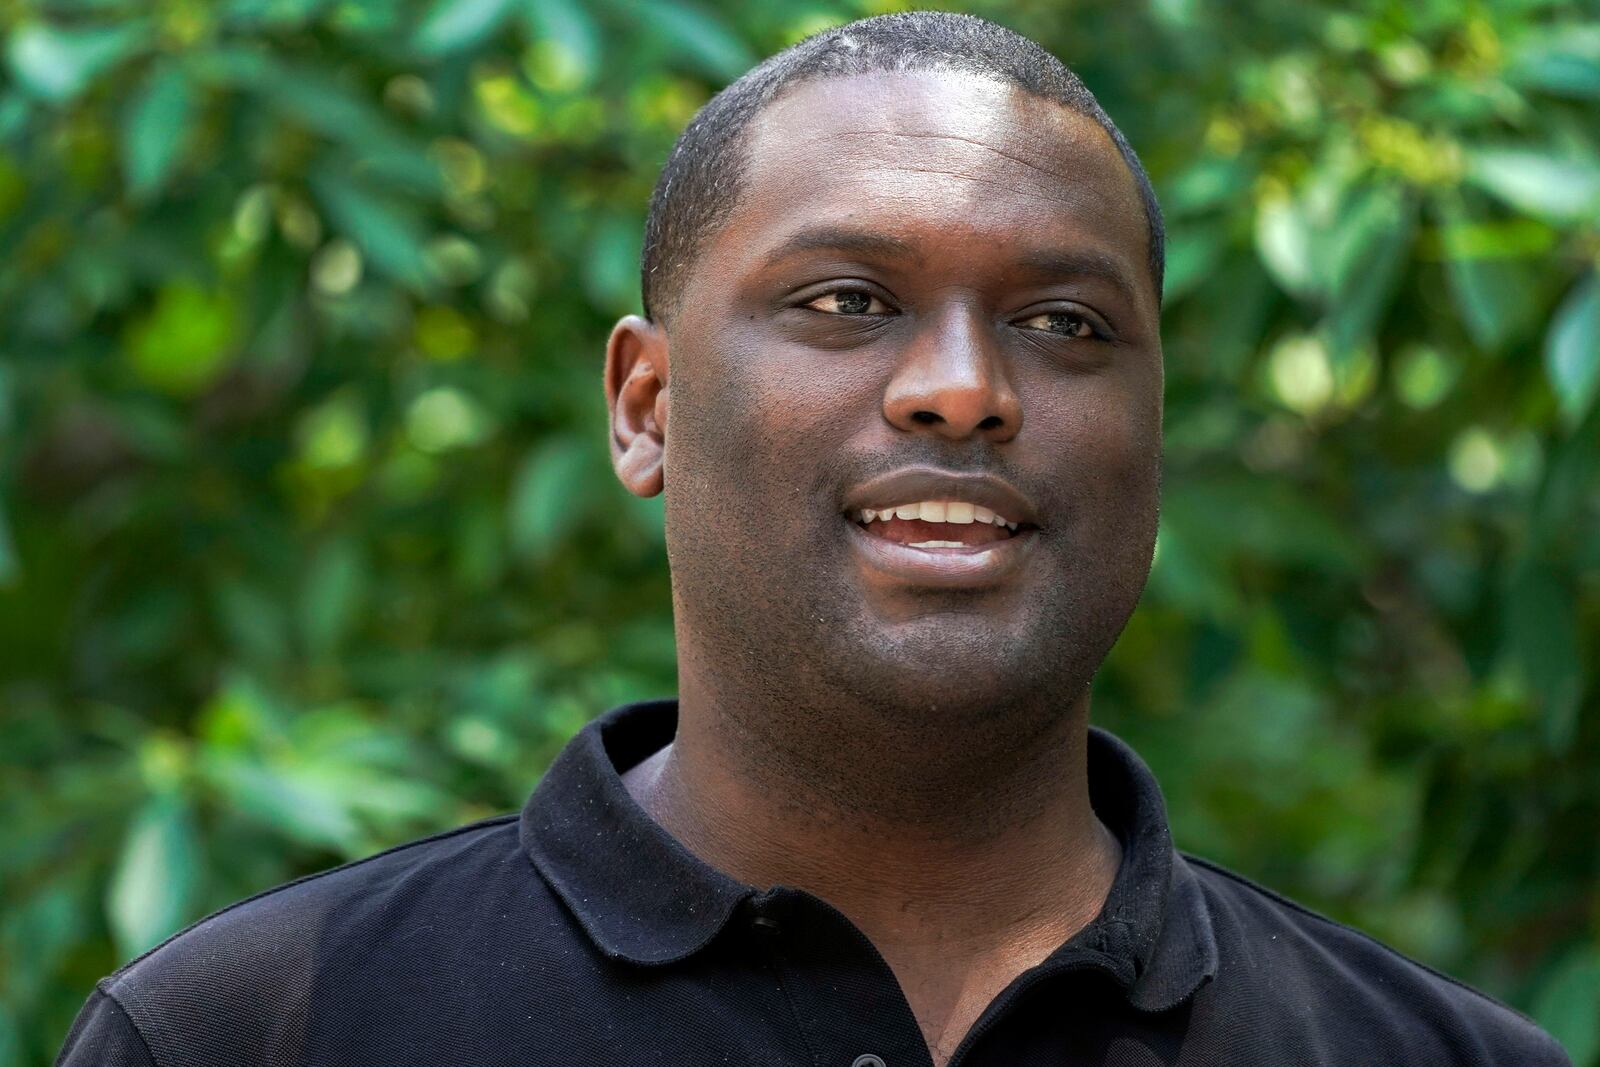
900 381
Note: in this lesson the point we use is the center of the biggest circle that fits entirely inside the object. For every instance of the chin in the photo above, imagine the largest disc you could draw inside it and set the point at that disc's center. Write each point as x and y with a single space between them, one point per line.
958 665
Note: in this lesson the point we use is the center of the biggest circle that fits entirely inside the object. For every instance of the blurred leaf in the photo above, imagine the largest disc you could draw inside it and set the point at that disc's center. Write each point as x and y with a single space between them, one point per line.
10 565
387 233
1374 238
452 25
1539 183
1192 253
1566 61
1542 619
252 621
319 103
1568 1005
699 36
183 345
10 1037
14 114
57 64
280 14
155 881
611 269
1494 296
302 810
1572 349
1206 184
1283 241
545 496
568 25
331 598
155 129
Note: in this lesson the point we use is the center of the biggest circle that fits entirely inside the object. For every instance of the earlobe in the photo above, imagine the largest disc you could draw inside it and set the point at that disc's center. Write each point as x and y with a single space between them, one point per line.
637 402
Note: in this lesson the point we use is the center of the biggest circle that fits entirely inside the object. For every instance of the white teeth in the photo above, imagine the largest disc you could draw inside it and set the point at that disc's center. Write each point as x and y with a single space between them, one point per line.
937 544
956 511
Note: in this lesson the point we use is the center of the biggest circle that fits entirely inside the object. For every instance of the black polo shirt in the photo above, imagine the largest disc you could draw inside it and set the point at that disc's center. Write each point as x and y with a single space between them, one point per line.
579 932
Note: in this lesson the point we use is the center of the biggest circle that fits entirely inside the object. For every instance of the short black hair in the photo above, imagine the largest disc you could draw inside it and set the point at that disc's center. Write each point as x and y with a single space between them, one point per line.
700 182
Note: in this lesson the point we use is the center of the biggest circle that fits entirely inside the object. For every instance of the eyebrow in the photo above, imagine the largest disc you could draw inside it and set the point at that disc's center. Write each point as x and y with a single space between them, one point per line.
1059 264
1044 264
831 238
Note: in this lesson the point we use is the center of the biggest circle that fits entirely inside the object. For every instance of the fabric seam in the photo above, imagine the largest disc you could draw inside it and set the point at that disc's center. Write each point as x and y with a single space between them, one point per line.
104 985
775 964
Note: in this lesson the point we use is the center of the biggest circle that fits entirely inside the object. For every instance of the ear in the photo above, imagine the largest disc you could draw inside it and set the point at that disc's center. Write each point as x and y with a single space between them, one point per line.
636 398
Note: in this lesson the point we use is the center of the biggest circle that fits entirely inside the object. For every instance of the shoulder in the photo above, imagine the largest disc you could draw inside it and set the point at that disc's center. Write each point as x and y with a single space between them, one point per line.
1347 987
244 984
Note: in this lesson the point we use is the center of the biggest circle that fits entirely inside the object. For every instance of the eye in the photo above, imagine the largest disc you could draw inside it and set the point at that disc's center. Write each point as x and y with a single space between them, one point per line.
1065 323
849 302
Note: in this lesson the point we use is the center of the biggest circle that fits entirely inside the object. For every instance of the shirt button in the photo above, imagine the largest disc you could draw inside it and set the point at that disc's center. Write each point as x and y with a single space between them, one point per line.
869 1060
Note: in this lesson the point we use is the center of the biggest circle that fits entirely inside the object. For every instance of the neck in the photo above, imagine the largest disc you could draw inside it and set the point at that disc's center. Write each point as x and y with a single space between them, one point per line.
978 844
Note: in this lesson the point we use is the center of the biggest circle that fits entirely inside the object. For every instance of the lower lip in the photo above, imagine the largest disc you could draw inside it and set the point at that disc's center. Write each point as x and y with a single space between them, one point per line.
968 567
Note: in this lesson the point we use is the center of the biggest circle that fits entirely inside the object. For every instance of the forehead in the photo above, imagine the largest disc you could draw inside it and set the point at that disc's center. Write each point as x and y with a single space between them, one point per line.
953 164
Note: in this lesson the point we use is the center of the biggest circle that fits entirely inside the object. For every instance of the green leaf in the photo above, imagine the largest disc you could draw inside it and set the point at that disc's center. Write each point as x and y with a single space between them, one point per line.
1538 183
331 598
1192 253
322 104
1568 1005
546 495
454 25
56 64
186 341
1206 184
155 879
154 130
1374 239
1572 349
1283 241
570 27
252 620
699 37
273 14
1495 295
611 269
297 807
11 1048
388 233
1542 617
10 565
1565 61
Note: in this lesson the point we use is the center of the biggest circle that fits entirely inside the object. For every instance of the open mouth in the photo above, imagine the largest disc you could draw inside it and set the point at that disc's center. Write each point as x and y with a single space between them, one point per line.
939 524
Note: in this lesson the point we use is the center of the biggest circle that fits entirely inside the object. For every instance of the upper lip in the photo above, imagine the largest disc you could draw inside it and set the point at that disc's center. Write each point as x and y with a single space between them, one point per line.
914 484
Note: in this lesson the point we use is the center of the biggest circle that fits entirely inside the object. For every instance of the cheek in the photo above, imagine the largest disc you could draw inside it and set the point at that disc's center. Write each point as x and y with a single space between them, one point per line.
753 428
1106 439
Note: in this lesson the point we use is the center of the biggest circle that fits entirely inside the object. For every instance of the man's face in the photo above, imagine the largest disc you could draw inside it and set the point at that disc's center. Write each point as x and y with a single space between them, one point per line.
931 300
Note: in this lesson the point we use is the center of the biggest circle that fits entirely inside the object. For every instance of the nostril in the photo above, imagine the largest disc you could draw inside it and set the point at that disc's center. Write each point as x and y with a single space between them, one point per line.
927 418
990 423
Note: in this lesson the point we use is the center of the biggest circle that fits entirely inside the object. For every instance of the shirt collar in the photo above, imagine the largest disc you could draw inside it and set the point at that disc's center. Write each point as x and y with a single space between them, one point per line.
642 897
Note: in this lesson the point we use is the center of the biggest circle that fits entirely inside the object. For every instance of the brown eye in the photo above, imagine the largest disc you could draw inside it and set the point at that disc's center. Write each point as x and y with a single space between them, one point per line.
1065 323
849 302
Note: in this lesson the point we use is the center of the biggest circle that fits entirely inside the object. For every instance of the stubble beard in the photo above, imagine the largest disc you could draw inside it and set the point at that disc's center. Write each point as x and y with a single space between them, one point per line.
840 709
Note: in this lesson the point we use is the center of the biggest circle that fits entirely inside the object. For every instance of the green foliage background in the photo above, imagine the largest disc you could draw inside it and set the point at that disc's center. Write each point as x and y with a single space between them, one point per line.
309 545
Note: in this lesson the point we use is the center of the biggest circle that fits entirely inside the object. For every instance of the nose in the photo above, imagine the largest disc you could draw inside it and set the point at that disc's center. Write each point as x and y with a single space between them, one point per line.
953 381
